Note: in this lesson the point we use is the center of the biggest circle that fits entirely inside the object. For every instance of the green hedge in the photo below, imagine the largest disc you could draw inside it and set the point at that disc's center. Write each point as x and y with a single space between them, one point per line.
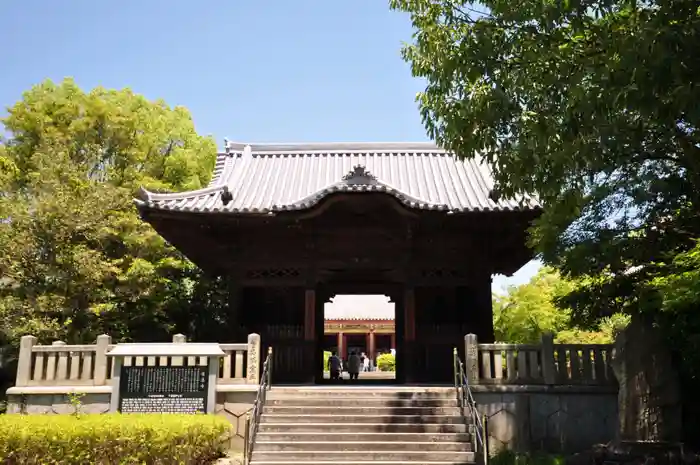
386 362
112 439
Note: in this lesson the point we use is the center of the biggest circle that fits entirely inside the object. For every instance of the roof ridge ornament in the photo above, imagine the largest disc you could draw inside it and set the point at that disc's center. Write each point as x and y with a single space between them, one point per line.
359 175
226 195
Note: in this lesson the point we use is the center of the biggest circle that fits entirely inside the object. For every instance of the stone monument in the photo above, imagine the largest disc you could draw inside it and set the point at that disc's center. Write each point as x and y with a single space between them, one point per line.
168 384
649 398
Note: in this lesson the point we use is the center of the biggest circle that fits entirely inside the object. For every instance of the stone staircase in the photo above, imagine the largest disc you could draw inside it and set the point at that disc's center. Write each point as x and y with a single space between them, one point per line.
359 425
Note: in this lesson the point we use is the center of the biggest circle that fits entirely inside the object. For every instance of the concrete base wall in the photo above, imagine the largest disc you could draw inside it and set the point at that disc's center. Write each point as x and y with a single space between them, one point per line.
56 403
234 406
554 419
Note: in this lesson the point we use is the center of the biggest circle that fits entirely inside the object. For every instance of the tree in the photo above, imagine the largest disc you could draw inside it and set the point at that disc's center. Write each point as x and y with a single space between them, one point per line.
525 312
590 105
77 260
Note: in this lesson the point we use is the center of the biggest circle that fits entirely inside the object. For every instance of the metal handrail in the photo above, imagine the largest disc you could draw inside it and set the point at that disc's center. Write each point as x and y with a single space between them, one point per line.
252 419
466 401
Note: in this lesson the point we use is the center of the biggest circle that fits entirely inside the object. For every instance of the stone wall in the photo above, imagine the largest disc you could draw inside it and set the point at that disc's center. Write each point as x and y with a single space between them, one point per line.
46 403
551 418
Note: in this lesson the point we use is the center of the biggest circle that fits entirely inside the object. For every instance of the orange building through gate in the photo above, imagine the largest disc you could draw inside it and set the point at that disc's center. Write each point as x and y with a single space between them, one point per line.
359 323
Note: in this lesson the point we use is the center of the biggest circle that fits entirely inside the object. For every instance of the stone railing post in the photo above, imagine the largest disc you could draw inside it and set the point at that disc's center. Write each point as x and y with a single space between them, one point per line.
253 375
471 358
24 363
103 342
549 368
178 339
61 363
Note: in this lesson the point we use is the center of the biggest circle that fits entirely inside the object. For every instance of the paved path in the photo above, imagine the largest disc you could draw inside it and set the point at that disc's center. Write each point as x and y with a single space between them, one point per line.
367 375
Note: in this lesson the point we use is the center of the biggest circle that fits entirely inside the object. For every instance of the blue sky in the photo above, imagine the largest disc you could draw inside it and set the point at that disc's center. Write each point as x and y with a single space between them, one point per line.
251 71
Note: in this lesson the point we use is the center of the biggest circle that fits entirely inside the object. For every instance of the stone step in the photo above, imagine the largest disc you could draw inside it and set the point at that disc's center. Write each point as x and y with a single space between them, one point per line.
360 410
347 425
356 457
388 420
360 401
321 427
355 462
359 446
345 393
366 437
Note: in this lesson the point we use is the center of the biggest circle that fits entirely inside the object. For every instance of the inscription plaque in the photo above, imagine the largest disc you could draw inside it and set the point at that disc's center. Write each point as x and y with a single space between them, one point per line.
167 389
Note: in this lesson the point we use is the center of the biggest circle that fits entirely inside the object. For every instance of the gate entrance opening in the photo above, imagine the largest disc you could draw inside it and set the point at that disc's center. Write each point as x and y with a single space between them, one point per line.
364 325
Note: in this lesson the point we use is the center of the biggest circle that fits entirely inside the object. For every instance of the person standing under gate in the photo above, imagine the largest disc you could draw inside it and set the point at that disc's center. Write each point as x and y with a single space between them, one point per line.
334 366
354 365
365 362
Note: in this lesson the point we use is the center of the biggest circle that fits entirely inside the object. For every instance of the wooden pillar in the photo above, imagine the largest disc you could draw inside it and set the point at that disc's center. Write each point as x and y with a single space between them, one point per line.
410 315
341 345
393 341
409 355
372 347
485 310
312 358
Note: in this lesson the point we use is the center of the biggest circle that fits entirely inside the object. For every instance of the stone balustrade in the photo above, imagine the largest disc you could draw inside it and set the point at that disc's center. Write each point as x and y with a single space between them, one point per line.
559 397
545 363
78 366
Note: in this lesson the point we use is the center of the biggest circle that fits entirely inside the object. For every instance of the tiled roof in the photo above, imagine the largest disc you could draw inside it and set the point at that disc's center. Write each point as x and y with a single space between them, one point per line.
266 178
359 307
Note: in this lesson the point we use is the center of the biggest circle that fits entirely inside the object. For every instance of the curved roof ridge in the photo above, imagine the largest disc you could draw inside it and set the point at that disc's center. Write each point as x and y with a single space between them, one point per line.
359 180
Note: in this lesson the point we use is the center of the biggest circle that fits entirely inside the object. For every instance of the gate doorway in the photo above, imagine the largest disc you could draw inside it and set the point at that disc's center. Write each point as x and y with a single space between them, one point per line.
367 318
363 326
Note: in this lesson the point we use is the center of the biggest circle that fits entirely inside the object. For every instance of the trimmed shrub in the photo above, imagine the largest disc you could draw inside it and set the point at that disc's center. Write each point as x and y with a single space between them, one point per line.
386 362
112 439
326 356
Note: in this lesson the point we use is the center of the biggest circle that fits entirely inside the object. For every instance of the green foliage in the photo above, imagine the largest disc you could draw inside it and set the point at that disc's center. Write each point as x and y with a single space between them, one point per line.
326 356
77 260
112 136
76 401
527 311
679 292
590 105
112 439
603 332
386 362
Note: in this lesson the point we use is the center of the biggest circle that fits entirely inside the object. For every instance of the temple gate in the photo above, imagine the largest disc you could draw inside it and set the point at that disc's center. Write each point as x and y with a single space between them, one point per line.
290 226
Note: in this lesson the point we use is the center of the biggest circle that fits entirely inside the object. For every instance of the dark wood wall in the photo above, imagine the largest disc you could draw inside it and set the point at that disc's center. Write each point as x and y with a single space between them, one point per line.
437 267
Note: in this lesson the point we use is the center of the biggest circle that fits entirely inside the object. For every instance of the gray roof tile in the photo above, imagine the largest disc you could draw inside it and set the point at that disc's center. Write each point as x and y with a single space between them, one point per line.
266 178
